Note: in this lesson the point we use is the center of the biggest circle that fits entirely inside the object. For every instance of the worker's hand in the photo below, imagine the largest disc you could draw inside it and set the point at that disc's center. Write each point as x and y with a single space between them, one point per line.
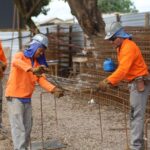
103 85
2 66
58 92
1 73
2 69
38 71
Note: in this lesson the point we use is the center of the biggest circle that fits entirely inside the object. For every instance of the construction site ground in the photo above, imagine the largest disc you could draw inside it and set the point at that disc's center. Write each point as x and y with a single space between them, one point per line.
78 125
75 121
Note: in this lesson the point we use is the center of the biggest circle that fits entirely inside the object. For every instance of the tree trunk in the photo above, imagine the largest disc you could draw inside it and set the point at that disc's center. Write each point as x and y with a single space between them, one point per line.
86 12
89 18
26 8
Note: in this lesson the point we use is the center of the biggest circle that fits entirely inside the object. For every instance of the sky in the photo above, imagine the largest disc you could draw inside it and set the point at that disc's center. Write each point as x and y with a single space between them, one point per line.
61 9
142 5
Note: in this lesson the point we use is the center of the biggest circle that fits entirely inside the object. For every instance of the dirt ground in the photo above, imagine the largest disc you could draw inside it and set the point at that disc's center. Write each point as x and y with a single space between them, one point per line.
74 122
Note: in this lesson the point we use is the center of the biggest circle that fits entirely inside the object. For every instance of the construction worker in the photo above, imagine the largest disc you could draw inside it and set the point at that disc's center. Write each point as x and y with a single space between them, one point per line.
27 68
3 63
131 68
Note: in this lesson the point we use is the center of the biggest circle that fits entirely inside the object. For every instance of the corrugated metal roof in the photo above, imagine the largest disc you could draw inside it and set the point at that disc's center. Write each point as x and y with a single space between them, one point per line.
134 19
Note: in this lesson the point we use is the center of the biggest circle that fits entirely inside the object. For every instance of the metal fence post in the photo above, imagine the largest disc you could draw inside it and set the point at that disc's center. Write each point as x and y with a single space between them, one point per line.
147 20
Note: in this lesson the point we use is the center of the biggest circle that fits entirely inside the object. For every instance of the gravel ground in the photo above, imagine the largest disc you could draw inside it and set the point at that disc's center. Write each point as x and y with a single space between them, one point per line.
73 122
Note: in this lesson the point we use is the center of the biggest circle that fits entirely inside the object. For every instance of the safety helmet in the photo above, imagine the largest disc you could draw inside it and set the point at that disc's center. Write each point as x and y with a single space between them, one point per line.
41 38
114 27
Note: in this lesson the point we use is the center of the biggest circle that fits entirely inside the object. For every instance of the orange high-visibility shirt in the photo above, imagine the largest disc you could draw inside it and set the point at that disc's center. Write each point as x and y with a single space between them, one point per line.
130 63
2 55
21 83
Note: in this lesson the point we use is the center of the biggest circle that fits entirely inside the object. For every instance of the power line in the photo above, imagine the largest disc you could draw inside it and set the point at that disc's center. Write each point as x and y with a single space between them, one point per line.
9 39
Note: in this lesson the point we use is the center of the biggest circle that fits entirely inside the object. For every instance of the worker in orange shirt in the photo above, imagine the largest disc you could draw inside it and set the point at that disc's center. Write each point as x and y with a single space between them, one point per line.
131 68
27 69
3 63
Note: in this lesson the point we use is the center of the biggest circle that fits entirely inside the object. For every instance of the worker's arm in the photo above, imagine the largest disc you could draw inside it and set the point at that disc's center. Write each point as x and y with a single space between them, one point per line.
46 84
50 87
3 61
2 55
127 57
20 63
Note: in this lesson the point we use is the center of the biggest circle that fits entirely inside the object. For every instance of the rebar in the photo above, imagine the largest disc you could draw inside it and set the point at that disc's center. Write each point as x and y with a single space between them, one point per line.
5 133
41 111
55 101
71 84
147 121
80 88
41 106
126 128
100 121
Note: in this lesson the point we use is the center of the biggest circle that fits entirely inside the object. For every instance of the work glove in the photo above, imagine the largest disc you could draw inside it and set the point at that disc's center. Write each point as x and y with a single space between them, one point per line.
104 84
58 92
38 71
2 65
2 69
1 73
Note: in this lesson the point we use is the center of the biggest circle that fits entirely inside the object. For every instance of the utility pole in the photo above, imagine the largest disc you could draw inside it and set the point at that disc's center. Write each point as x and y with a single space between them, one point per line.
19 30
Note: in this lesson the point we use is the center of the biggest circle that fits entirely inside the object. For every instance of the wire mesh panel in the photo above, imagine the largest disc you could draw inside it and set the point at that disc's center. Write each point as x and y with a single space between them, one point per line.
81 121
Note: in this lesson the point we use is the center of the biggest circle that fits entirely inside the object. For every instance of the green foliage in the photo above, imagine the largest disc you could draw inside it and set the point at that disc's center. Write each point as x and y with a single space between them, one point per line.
41 8
110 6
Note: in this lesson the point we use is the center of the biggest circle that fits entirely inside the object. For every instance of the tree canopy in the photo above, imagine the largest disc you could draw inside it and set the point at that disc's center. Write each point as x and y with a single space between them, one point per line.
110 6
87 12
41 8
106 6
28 8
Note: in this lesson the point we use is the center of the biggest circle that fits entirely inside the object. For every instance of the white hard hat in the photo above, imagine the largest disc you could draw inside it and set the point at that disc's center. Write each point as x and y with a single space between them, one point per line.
41 38
114 27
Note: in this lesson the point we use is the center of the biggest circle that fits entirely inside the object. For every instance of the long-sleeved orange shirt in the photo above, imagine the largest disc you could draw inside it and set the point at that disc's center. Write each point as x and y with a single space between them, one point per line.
21 83
2 55
131 63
